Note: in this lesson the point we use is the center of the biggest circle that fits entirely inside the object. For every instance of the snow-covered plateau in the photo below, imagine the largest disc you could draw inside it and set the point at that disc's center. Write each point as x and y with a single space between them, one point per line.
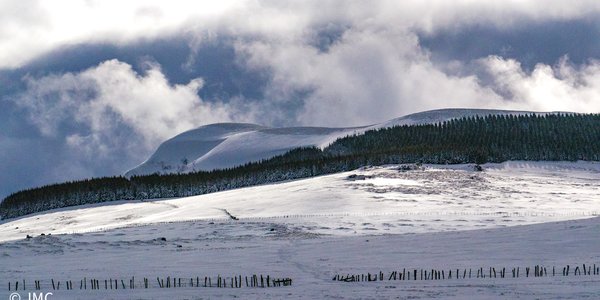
388 218
226 145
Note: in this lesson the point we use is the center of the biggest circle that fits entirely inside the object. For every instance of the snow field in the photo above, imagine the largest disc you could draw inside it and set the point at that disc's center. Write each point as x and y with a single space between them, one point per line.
382 219
383 200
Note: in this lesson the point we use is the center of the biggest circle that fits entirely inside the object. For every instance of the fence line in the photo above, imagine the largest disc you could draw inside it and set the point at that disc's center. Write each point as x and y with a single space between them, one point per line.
413 274
89 283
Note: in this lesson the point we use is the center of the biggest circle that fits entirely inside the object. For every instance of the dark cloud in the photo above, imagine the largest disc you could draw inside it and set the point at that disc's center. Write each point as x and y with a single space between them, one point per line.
530 42
324 36
30 162
214 60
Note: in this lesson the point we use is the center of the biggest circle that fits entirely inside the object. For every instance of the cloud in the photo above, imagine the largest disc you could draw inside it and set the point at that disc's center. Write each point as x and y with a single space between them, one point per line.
30 28
367 76
371 74
370 68
563 87
111 109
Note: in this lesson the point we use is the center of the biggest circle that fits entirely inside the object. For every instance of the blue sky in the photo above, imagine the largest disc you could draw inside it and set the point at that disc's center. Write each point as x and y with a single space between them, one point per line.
90 88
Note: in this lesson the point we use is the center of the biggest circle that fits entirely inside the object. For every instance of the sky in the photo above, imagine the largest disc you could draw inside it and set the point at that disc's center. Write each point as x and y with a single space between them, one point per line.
90 88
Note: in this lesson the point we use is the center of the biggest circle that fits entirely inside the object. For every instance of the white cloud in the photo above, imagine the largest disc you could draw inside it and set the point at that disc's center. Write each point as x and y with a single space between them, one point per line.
372 74
375 71
563 87
30 28
111 108
368 76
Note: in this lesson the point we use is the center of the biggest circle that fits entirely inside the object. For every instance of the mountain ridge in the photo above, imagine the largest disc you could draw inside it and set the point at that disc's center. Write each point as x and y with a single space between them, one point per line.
227 145
476 140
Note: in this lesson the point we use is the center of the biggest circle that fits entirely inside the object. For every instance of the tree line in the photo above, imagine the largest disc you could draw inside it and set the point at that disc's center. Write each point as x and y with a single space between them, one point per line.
493 138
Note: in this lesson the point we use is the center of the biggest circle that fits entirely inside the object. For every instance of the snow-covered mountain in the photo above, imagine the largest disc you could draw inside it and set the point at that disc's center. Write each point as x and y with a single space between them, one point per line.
226 145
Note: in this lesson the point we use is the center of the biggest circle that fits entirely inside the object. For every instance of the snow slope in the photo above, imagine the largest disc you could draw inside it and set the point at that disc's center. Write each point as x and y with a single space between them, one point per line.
377 200
234 145
229 248
382 219
226 145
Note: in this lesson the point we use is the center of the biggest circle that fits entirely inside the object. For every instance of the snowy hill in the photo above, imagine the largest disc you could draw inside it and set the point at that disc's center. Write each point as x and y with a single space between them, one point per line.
514 214
226 145
441 115
369 200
